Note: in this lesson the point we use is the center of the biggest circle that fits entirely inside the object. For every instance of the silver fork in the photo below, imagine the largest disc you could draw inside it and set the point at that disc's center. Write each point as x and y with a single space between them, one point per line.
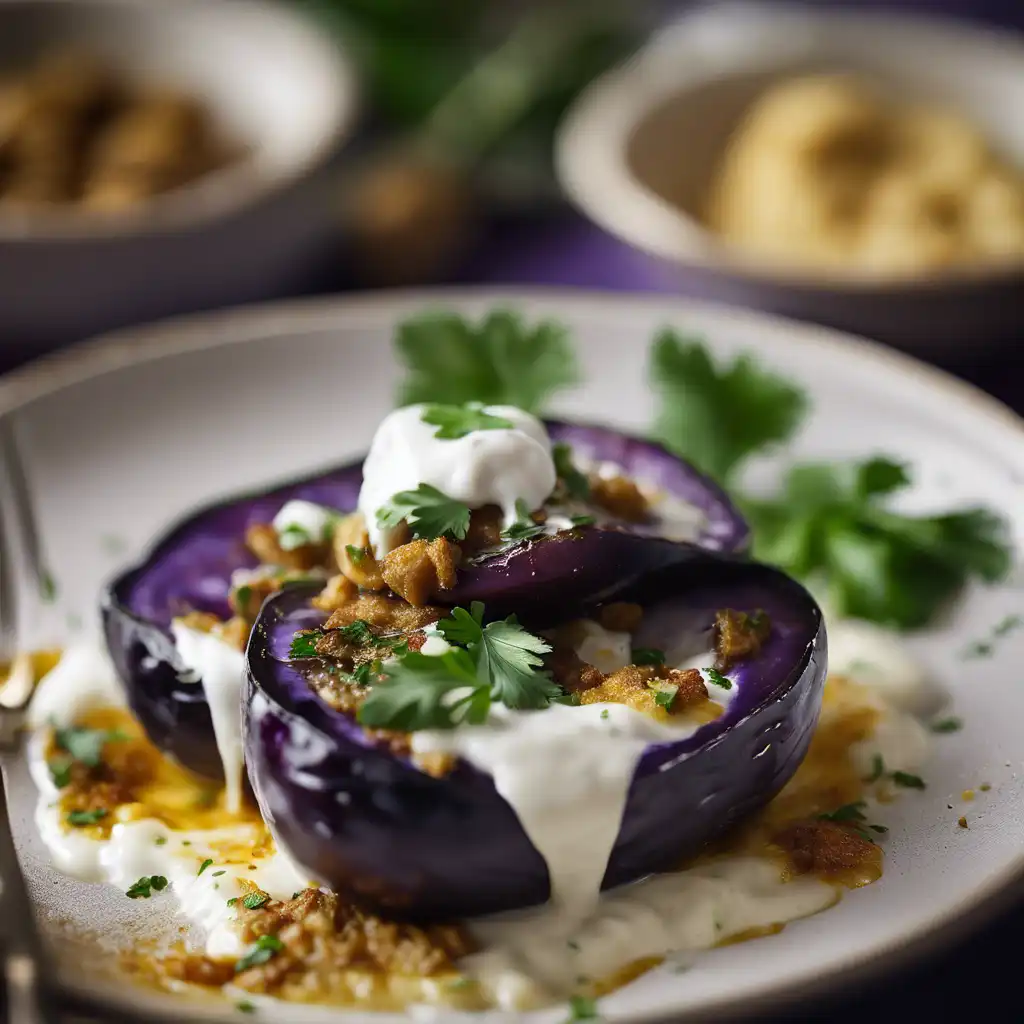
26 964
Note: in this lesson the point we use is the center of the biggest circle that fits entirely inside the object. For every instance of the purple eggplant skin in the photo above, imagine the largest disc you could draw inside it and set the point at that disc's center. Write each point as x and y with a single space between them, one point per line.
369 824
190 568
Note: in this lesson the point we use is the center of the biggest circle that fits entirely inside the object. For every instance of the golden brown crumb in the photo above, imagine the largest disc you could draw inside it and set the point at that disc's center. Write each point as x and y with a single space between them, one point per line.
619 496
738 635
571 672
621 616
825 847
418 570
234 632
338 592
262 541
388 614
203 622
963 822
350 535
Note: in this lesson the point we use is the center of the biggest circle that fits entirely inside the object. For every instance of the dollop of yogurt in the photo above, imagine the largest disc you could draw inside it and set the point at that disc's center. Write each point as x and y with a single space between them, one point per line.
500 467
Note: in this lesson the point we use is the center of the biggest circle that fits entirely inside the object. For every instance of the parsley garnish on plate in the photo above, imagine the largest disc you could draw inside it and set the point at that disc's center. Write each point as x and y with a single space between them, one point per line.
907 780
648 656
716 677
947 725
262 950
830 523
498 361
254 900
576 483
582 1008
429 513
146 886
455 421
304 644
82 818
206 863
524 528
664 694
853 815
86 745
717 416
497 663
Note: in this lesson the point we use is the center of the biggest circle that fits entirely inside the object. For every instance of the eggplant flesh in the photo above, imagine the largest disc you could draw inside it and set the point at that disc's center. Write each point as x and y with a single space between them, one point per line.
190 569
371 825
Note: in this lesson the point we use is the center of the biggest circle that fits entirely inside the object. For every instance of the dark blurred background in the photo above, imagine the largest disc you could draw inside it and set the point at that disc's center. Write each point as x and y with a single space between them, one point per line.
449 178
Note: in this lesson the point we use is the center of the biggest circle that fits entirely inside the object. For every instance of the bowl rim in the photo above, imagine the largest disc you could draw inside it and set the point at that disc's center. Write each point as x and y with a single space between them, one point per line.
222 193
592 140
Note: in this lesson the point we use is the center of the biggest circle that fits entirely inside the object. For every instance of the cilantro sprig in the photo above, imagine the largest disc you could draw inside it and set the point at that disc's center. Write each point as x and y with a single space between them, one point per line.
853 816
429 512
263 949
497 663
455 421
718 416
498 361
146 886
830 523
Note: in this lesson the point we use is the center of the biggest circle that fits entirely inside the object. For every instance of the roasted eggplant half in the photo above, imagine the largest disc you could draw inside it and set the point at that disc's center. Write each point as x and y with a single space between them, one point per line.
363 817
190 570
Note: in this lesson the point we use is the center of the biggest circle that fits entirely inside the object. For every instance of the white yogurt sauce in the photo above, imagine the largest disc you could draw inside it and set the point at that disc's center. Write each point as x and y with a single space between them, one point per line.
221 669
303 522
535 955
486 467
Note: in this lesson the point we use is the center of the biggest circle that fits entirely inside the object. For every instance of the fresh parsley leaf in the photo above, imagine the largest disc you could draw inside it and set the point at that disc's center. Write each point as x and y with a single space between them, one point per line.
665 695
717 416
254 900
648 656
357 554
262 950
716 677
576 483
145 886
582 1008
524 528
582 520
499 361
206 863
245 1006
82 818
511 658
304 644
455 421
463 627
876 564
846 813
242 596
877 769
60 770
232 901
429 513
86 745
421 691
907 780
947 725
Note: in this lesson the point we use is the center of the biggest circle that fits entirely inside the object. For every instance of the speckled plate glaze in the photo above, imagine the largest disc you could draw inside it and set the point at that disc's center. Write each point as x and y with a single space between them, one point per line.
127 434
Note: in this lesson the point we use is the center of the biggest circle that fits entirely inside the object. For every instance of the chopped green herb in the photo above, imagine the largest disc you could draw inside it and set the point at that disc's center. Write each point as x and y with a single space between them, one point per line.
717 416
81 818
947 725
880 829
232 901
206 863
60 770
357 554
304 644
907 780
604 713
86 745
499 662
582 1008
846 813
576 483
524 528
429 513
979 649
877 768
455 421
217 874
716 677
498 361
664 695
160 841
573 945
262 950
254 900
244 1006
1007 625
145 886
582 520
47 588
648 656
829 523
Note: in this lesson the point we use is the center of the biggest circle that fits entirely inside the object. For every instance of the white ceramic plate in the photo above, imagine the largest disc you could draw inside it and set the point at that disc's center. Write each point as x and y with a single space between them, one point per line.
124 435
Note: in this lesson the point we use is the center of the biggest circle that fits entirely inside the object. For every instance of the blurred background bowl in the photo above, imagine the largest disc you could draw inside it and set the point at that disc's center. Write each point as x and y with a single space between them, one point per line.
637 152
270 81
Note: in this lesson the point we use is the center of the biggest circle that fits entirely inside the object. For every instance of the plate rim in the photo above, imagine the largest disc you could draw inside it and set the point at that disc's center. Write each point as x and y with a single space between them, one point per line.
147 343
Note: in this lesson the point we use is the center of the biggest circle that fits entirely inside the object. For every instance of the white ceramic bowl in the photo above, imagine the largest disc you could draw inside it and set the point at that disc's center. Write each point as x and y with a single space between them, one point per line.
638 149
271 81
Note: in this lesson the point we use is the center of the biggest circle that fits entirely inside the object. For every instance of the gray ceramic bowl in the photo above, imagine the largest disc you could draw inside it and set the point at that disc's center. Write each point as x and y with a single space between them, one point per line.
639 147
272 83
